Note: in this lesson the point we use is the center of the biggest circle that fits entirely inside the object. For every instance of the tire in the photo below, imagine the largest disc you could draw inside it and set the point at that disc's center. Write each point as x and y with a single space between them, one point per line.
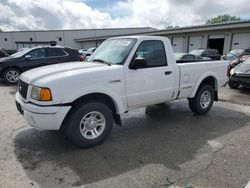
203 100
11 75
89 124
232 84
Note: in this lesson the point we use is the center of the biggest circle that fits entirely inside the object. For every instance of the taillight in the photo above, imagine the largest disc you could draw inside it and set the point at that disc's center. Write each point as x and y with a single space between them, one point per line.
242 59
228 71
82 58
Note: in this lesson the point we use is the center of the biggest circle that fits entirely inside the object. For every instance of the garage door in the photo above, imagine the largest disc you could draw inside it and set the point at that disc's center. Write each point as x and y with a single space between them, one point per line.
195 43
241 41
178 43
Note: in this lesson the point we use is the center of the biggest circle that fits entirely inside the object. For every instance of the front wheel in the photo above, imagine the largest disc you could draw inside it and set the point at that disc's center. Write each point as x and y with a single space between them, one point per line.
232 84
203 100
89 124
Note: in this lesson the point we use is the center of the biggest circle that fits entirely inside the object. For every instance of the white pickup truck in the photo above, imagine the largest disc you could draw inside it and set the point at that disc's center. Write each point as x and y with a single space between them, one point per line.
124 73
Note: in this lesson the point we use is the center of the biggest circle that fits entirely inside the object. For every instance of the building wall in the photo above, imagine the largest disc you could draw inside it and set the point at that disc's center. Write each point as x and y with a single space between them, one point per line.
228 35
187 40
67 36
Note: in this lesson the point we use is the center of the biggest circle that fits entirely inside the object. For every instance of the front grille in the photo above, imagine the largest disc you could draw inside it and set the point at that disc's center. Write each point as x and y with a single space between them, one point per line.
23 88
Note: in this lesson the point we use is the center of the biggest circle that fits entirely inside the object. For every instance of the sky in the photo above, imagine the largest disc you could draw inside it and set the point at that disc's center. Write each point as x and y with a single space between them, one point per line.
86 14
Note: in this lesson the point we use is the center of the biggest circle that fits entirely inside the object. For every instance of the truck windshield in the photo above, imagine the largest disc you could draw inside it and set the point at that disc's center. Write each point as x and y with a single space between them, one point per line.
113 51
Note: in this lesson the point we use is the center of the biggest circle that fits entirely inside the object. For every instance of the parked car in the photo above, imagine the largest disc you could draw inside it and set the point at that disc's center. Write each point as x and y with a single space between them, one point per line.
10 52
235 54
82 51
124 73
186 58
3 53
240 75
211 53
235 62
90 51
12 66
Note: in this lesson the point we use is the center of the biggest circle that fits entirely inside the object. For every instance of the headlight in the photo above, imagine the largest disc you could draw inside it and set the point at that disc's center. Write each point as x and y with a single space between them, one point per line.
41 94
232 72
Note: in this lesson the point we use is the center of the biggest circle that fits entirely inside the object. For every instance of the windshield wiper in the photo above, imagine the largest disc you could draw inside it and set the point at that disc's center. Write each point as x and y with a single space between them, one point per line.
102 61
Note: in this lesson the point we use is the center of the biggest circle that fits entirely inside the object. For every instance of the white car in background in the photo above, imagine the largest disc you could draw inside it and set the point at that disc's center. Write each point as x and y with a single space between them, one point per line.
87 52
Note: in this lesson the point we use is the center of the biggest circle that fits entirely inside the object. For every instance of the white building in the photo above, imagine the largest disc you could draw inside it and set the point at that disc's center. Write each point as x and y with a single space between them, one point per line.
26 39
223 36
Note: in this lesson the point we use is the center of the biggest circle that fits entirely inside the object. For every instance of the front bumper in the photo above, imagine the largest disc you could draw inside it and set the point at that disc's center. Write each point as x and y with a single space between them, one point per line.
42 117
242 79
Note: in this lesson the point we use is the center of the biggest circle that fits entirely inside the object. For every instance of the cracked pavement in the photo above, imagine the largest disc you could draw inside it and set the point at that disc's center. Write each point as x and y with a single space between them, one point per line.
170 148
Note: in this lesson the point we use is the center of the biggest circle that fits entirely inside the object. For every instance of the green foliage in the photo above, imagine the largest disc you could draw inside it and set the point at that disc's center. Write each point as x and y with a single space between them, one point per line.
223 18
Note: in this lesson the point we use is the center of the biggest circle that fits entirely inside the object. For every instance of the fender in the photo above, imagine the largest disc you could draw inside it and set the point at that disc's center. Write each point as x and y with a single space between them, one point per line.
203 77
119 104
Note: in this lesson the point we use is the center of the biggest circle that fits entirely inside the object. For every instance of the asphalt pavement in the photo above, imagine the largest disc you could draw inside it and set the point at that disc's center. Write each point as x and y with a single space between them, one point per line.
170 147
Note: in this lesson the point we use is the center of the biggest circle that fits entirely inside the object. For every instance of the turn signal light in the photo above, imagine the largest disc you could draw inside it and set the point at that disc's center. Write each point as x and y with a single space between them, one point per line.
45 94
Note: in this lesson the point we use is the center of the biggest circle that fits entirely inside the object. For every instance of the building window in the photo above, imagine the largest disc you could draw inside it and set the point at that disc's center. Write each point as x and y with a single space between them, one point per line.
5 39
31 39
60 38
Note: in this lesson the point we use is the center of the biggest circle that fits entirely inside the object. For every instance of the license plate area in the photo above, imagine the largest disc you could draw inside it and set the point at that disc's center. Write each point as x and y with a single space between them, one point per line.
19 108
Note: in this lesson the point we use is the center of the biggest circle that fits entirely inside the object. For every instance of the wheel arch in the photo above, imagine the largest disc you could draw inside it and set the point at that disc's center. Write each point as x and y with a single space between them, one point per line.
209 79
9 67
100 97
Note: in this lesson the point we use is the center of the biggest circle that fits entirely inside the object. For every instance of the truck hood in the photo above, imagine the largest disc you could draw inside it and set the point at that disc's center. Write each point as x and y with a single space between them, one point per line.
60 70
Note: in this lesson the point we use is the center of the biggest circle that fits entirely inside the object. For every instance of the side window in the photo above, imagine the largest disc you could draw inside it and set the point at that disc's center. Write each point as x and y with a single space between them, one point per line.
2 54
188 57
55 52
37 53
153 52
211 52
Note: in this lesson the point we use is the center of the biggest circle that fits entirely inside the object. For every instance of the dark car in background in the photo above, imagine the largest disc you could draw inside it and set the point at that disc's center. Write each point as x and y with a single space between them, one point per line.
12 66
240 75
6 53
211 53
186 58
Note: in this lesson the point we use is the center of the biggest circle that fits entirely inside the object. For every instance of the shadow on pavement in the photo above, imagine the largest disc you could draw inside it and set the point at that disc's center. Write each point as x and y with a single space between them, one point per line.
244 90
12 86
171 137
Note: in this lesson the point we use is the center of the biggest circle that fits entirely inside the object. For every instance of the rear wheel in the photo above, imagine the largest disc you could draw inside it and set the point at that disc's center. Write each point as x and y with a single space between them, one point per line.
203 100
11 75
89 124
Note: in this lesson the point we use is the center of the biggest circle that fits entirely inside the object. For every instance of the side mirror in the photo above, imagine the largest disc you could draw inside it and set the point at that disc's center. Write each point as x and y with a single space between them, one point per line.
27 57
138 63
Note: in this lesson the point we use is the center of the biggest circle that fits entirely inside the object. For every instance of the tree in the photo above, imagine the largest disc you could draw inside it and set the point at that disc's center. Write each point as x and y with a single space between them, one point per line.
223 18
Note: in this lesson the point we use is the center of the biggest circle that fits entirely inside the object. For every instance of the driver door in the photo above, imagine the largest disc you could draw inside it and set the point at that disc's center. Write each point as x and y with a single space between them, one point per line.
36 59
155 82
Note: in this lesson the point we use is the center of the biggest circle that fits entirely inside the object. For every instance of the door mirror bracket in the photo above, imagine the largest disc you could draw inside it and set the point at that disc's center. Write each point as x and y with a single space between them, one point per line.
27 57
138 63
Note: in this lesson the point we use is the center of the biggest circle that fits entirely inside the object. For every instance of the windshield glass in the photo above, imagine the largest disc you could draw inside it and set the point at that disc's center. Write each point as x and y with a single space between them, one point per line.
236 52
230 56
113 51
247 61
20 54
196 52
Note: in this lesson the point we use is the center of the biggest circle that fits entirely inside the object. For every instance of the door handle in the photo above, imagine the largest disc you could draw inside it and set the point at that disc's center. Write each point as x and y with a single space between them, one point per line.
168 72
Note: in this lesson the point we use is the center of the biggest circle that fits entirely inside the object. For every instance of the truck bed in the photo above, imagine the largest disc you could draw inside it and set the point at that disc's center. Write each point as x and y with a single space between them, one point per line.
192 74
